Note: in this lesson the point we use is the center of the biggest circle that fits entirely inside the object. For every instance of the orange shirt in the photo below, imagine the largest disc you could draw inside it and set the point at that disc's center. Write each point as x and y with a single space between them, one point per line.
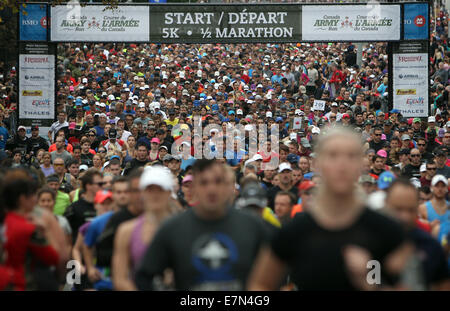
297 208
69 148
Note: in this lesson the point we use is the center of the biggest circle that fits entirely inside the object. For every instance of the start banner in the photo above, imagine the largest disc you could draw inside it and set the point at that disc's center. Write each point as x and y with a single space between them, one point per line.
227 23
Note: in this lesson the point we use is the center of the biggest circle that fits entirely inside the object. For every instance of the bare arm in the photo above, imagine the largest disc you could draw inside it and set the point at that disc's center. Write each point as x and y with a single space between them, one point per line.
121 259
77 252
267 273
88 254
423 215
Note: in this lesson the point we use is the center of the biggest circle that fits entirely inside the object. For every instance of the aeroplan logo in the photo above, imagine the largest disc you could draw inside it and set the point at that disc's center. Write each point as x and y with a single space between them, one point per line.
406 92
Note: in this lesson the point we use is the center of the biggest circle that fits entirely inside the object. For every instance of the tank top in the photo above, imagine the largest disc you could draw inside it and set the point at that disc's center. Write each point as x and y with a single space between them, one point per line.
137 246
433 215
76 195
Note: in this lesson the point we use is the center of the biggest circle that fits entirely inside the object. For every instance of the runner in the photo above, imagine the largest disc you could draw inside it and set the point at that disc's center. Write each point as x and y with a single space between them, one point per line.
340 263
133 237
217 243
403 201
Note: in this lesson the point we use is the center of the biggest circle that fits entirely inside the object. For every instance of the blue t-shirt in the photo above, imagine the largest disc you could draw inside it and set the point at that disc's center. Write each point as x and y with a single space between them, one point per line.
96 228
186 163
100 130
234 158
4 135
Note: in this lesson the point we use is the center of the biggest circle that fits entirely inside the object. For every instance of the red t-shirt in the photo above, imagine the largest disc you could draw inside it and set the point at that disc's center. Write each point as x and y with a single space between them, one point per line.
23 247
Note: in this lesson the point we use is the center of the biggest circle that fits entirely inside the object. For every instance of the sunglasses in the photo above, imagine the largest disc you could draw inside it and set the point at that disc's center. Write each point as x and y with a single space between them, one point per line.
101 184
431 168
421 144
102 151
415 155
92 135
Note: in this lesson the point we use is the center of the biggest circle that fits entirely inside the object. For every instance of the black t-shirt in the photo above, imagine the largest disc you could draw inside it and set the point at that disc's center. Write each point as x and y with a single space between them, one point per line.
410 171
271 194
34 144
314 254
105 242
375 173
87 159
376 146
78 214
432 256
133 164
204 255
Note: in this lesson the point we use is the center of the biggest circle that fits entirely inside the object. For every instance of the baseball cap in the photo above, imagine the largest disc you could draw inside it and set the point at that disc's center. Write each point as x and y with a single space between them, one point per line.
305 143
439 178
415 120
345 116
157 175
187 178
431 119
292 158
448 124
167 157
334 104
155 140
385 180
382 153
404 151
112 133
21 127
406 137
423 168
268 114
83 167
35 128
315 130
284 166
101 196
239 111
257 157
439 152
252 195
306 185
366 179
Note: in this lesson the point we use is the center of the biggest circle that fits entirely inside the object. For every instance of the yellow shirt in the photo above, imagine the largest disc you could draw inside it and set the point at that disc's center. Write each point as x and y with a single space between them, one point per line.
173 123
269 216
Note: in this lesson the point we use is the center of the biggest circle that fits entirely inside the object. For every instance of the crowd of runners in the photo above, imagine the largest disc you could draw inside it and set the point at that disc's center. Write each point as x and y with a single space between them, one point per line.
116 197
